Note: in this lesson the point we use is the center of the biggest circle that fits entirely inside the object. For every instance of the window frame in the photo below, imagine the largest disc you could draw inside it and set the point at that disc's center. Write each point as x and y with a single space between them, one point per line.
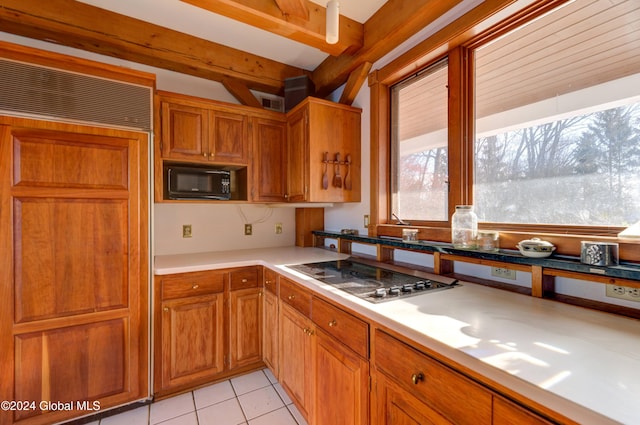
456 43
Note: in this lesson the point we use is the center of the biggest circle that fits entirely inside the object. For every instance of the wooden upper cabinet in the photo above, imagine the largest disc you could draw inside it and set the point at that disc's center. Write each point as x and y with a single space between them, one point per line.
203 131
310 154
269 159
297 156
185 131
324 152
229 138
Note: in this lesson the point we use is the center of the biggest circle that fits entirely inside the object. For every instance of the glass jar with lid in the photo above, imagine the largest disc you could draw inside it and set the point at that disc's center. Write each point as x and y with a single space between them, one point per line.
464 227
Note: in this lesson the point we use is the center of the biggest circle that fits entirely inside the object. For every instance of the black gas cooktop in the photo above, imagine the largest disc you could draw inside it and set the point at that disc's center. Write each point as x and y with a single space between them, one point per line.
369 282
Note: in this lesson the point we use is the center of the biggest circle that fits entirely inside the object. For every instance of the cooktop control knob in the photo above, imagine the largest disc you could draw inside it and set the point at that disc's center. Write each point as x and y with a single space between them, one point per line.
380 292
394 290
428 283
407 287
419 285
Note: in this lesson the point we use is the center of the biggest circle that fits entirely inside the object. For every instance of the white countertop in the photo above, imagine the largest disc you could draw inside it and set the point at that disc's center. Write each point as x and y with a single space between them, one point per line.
547 351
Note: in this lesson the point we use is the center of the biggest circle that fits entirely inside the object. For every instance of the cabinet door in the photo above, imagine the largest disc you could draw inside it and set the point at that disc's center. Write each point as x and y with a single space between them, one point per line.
506 412
185 132
269 160
296 350
245 327
73 268
335 129
297 160
395 406
342 384
270 332
228 140
192 339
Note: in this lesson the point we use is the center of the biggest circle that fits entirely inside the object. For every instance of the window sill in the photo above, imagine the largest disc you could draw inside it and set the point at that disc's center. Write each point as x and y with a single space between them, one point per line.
566 244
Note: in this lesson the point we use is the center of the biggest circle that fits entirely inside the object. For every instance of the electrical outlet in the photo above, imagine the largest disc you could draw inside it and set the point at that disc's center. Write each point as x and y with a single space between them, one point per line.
623 292
278 228
186 231
248 229
503 273
366 220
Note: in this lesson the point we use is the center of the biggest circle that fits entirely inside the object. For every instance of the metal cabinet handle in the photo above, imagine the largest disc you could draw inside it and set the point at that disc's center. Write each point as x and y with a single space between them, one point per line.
291 297
195 286
166 309
204 154
268 282
333 323
244 280
417 377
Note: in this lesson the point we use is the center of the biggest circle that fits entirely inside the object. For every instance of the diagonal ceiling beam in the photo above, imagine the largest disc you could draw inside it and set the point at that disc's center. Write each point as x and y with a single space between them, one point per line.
354 83
267 16
108 33
241 92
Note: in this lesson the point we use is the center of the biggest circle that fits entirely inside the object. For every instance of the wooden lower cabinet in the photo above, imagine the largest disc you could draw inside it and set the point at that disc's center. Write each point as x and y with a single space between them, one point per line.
396 406
207 325
297 354
270 330
317 349
506 412
323 359
341 384
245 327
189 329
412 387
192 340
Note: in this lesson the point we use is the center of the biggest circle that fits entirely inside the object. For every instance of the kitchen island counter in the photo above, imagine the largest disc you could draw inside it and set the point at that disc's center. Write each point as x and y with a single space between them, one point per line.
582 363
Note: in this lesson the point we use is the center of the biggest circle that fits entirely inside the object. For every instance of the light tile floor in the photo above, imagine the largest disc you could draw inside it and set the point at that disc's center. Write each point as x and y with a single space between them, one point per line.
252 399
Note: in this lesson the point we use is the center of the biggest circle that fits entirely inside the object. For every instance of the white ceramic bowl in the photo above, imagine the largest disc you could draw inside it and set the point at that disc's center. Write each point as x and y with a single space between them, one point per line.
535 248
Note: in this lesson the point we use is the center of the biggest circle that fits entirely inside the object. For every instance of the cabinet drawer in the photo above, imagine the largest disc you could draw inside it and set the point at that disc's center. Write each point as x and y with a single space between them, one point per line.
343 326
295 296
454 396
190 284
270 281
244 278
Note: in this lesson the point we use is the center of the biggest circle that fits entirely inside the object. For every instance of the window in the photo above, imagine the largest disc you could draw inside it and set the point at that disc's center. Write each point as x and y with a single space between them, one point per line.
419 137
557 104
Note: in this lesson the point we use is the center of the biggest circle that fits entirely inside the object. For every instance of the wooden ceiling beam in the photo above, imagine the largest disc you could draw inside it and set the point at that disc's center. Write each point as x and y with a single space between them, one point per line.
391 25
269 17
296 8
108 33
354 83
240 91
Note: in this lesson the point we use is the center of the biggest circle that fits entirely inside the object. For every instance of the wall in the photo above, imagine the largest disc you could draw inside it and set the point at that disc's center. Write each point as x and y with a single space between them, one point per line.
352 216
215 227
220 227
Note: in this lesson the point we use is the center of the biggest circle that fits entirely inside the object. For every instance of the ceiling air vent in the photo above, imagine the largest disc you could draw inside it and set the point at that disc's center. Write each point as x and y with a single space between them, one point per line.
42 92
273 103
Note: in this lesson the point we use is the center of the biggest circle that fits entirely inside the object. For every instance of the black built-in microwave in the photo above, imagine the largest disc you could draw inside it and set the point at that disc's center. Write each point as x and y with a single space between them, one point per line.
185 182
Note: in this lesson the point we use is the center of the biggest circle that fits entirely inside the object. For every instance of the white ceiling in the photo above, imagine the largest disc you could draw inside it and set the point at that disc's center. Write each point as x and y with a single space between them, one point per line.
183 17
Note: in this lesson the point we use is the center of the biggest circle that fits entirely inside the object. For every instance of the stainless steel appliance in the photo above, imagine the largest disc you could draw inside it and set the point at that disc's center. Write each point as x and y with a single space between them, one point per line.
183 182
372 282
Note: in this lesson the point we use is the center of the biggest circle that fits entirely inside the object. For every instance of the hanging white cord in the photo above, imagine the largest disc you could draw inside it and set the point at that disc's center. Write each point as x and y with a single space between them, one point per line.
267 214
